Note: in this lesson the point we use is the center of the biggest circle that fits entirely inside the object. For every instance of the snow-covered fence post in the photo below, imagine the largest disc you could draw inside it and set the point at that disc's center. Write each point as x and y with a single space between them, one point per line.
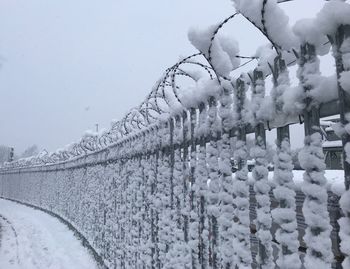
128 224
172 162
260 175
285 214
309 64
164 194
155 198
193 225
214 184
226 218
170 198
173 219
146 191
311 158
202 180
179 253
139 200
123 212
341 50
133 212
178 166
240 185
117 216
185 175
152 174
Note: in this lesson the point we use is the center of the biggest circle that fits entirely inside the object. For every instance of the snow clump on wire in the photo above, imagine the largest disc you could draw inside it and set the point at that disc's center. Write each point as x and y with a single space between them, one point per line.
220 52
276 21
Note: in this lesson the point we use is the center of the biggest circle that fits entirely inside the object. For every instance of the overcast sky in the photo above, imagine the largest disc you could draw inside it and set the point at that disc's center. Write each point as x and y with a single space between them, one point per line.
69 64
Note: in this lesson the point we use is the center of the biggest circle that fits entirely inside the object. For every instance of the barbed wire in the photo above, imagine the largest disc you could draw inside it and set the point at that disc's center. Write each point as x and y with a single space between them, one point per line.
161 99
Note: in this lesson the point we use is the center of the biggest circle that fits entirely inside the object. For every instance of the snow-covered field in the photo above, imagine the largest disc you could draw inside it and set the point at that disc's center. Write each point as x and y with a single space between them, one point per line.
30 238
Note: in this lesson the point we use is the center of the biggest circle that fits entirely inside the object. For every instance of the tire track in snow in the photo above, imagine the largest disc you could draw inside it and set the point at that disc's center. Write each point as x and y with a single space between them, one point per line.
7 224
43 242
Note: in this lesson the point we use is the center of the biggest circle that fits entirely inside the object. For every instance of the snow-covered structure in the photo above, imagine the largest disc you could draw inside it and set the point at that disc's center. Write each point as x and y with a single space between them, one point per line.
332 144
157 189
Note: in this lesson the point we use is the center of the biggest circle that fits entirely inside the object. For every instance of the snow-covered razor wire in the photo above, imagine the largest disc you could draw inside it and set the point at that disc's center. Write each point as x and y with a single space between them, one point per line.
176 183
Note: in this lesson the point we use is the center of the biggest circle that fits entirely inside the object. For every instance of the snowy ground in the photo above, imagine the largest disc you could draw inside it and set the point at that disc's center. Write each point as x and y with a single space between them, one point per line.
31 239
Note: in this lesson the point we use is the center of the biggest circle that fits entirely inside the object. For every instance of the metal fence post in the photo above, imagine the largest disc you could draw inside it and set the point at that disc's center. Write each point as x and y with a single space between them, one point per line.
313 149
343 33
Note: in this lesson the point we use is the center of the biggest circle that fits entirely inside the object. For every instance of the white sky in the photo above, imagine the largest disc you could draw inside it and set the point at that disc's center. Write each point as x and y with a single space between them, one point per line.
67 65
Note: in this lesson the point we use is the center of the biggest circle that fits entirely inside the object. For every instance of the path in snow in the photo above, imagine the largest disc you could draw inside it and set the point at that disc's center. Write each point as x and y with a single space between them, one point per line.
32 239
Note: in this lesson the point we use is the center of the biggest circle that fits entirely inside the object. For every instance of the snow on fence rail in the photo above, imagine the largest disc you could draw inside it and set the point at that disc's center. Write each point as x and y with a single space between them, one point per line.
157 190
